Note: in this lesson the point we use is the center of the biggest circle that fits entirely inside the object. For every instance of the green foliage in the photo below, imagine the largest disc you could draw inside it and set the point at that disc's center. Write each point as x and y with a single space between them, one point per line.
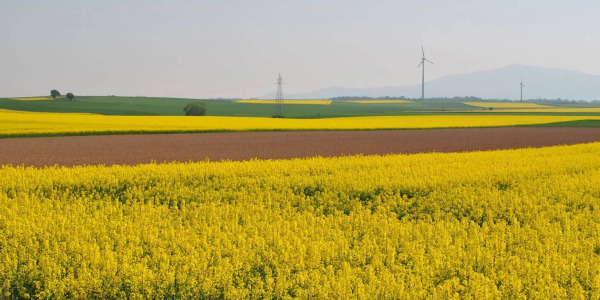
54 94
149 106
195 109
70 96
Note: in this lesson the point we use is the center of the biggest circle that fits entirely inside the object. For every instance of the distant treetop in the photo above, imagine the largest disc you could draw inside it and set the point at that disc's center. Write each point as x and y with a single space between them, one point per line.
54 94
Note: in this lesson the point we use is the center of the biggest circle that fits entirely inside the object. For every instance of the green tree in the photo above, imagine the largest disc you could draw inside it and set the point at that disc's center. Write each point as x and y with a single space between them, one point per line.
70 96
54 94
195 109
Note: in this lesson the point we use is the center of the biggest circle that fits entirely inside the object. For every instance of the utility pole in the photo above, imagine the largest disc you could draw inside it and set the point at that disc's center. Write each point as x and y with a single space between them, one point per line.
279 99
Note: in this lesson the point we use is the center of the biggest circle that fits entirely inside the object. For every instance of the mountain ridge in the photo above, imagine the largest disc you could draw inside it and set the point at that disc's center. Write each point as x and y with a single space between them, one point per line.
499 83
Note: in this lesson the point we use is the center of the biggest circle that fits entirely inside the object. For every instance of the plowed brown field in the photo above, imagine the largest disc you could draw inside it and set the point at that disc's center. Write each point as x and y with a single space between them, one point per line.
136 149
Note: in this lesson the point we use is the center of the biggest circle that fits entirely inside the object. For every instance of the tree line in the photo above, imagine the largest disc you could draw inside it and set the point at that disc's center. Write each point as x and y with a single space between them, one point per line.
55 94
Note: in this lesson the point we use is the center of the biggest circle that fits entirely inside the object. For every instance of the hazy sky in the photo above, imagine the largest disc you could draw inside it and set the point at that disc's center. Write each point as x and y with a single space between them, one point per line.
235 48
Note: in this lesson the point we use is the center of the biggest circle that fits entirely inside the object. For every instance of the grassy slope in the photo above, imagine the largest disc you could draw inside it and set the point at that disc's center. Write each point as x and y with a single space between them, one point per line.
174 107
579 123
103 105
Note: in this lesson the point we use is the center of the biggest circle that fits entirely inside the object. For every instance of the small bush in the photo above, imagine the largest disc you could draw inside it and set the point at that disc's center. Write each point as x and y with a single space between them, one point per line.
195 109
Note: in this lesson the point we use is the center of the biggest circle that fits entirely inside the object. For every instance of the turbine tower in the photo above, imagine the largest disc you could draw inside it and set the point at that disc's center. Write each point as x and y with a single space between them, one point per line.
422 64
279 99
522 85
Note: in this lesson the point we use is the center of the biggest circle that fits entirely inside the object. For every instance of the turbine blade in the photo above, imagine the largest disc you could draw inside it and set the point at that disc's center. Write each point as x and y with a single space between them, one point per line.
420 64
423 51
429 61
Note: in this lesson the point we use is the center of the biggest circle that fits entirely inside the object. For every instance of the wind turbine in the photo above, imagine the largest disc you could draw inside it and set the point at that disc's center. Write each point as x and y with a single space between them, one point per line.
522 85
422 64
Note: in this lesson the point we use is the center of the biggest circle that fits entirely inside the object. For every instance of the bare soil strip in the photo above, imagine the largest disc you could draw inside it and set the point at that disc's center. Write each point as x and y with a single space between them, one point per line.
137 149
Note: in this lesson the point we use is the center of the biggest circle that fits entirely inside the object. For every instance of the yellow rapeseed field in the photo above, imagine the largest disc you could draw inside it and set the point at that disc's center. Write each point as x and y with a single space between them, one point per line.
544 110
32 98
513 224
15 123
507 105
378 101
309 102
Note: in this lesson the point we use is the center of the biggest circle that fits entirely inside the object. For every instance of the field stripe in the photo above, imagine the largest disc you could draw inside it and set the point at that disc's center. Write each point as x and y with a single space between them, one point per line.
137 149
15 124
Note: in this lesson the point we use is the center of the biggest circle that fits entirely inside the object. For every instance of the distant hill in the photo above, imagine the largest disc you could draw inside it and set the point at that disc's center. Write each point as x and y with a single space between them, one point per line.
502 83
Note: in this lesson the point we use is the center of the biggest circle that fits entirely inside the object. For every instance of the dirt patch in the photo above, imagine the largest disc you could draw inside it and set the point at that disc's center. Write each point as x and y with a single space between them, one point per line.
136 149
